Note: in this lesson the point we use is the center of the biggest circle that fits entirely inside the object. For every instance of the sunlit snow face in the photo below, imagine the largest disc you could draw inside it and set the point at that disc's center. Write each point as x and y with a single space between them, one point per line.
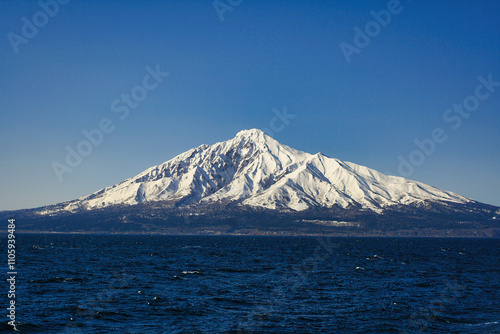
256 170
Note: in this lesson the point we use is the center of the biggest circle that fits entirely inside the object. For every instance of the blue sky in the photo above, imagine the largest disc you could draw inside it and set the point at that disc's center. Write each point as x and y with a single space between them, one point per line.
225 76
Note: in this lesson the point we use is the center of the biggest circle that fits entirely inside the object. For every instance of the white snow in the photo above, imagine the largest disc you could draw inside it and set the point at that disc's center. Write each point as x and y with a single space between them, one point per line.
256 170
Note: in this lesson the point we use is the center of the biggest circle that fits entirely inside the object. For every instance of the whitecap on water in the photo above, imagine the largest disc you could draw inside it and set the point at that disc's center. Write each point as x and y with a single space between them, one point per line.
187 272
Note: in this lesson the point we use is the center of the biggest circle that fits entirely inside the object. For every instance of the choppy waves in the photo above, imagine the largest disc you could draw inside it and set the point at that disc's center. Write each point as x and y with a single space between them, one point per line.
139 284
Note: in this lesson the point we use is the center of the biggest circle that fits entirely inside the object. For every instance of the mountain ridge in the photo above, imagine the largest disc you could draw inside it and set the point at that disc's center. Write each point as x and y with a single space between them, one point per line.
256 170
253 185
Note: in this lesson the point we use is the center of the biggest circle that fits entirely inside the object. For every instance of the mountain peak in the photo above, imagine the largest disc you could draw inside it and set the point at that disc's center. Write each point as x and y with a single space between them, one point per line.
256 170
252 133
248 132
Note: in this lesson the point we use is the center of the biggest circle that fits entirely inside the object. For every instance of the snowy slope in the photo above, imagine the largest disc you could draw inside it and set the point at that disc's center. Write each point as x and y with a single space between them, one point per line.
254 169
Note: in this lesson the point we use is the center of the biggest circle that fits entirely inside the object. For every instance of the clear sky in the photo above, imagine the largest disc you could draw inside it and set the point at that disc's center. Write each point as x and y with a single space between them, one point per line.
77 66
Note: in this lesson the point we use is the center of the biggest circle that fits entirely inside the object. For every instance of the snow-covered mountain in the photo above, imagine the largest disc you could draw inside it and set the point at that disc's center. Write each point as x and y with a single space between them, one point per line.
255 170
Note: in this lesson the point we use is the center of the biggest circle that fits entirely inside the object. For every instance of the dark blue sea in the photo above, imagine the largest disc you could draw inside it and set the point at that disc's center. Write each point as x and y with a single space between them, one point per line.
241 284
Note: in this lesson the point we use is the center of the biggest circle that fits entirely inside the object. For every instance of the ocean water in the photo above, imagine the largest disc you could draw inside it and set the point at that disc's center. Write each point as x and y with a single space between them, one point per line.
232 284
